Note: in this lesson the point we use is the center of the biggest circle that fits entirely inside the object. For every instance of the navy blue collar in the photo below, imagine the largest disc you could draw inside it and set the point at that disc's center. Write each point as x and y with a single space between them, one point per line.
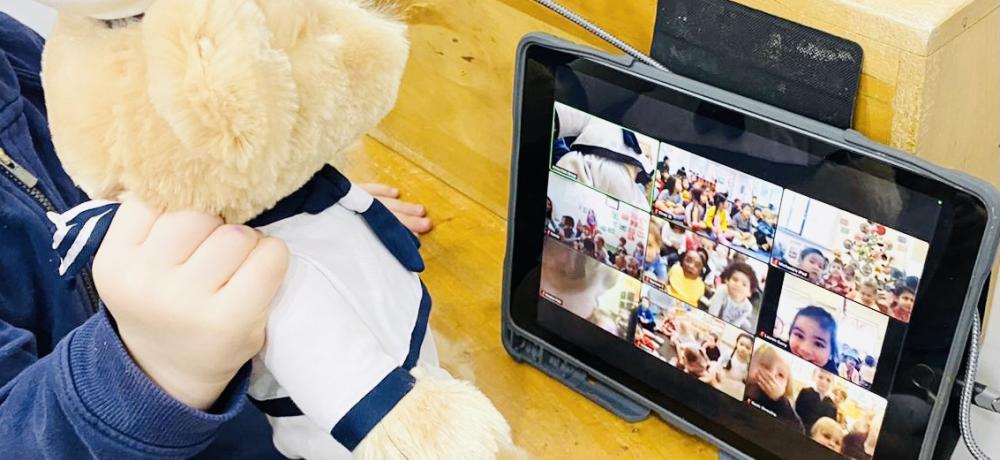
323 190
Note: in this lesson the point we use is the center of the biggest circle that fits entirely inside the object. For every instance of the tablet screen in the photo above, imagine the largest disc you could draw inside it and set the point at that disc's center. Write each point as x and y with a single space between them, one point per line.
710 257
772 297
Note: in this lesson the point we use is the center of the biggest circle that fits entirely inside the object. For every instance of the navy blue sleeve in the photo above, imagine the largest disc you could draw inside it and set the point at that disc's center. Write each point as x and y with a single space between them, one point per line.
88 399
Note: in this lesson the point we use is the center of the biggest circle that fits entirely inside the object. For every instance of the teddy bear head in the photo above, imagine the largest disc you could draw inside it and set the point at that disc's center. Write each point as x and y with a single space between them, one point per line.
221 106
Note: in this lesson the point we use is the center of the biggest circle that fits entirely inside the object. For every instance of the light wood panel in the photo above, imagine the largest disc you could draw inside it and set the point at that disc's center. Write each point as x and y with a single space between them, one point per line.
925 62
464 256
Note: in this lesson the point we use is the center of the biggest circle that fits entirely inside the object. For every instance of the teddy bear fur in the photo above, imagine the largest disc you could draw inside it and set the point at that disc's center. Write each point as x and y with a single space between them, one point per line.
223 106
227 106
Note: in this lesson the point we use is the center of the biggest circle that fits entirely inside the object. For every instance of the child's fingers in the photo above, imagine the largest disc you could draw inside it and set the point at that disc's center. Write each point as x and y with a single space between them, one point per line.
216 260
418 225
131 224
402 207
259 277
176 235
380 190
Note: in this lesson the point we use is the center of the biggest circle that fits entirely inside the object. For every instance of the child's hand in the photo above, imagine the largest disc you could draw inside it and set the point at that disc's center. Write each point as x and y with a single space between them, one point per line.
769 386
412 215
190 296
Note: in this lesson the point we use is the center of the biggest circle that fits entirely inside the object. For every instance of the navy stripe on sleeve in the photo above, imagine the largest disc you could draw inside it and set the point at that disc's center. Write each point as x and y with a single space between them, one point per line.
359 421
278 407
419 329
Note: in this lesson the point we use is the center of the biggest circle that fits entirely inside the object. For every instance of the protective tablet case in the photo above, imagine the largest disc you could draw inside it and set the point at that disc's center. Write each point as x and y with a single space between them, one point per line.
615 397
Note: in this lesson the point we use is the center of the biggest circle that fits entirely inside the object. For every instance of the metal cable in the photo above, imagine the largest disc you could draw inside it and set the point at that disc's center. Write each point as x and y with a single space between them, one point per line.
965 418
604 35
965 406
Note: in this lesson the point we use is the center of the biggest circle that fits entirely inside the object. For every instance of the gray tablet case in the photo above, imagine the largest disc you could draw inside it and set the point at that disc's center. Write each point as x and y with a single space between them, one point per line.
605 391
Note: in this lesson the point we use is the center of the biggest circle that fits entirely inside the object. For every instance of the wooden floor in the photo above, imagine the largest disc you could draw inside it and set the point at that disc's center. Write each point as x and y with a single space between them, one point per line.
464 256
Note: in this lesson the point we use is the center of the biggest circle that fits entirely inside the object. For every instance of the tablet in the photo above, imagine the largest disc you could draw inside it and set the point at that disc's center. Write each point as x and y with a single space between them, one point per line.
778 286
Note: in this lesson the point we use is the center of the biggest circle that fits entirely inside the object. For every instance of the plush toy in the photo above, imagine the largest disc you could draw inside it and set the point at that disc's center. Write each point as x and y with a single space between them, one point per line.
235 108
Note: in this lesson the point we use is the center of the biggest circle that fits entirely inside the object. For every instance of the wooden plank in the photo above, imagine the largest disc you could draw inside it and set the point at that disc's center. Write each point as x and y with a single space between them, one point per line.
464 256
958 125
453 113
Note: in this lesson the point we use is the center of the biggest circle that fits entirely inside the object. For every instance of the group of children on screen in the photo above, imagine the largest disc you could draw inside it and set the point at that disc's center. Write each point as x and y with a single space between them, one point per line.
893 298
697 203
676 335
820 409
812 336
582 233
703 273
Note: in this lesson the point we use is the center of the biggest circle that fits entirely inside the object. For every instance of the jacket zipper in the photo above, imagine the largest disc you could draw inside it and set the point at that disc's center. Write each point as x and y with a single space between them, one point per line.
29 183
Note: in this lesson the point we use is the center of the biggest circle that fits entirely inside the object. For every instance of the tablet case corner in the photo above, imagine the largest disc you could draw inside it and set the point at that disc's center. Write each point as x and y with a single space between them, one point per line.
523 349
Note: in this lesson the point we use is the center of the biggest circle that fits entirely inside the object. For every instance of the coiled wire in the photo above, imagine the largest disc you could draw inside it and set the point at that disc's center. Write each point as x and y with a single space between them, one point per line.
601 33
965 404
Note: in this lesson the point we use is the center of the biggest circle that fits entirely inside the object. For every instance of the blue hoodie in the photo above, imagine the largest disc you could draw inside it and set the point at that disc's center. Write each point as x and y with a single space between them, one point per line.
68 388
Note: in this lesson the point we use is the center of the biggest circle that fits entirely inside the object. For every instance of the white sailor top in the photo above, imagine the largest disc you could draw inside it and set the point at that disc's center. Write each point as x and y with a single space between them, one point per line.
595 136
347 325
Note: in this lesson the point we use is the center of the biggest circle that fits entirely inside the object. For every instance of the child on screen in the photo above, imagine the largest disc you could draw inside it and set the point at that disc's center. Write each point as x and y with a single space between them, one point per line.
867 294
731 372
731 302
551 227
685 281
655 266
902 306
813 337
567 233
674 242
694 214
770 386
717 218
827 432
737 365
669 202
813 262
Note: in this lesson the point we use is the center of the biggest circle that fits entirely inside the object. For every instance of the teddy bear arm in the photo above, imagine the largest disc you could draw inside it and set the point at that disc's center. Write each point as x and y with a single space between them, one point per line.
440 417
318 350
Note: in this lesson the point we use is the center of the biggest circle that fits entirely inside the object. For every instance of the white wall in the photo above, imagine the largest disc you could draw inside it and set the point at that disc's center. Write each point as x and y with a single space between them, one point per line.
41 19
36 16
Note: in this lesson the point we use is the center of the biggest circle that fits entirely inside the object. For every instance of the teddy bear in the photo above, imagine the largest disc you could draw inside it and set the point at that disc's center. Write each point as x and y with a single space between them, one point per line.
235 108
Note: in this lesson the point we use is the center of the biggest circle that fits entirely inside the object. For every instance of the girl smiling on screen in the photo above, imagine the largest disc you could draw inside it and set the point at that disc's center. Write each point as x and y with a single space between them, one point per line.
813 337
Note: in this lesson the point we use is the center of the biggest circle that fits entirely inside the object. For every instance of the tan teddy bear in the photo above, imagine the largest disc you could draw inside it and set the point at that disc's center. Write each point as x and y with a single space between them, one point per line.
235 107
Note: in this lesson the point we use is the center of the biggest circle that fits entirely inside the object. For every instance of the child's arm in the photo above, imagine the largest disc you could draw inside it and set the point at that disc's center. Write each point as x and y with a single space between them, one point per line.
88 398
189 337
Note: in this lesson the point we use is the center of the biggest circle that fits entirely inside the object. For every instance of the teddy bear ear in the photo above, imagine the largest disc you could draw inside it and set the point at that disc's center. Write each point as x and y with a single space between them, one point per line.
214 78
